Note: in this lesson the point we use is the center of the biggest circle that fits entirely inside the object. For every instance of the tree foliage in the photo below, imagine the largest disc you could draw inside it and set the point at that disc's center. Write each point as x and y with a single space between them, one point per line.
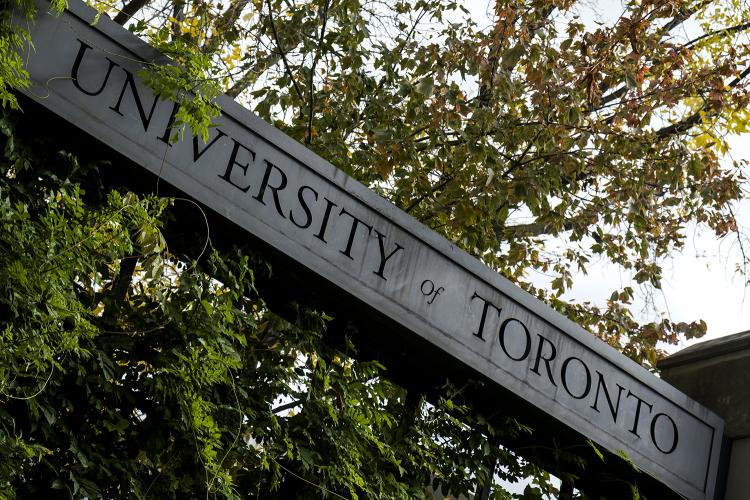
537 142
129 370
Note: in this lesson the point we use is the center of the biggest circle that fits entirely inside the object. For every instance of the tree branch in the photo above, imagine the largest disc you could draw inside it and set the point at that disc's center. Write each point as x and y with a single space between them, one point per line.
281 52
684 16
178 13
129 10
723 31
533 229
494 58
664 30
368 100
695 118
432 190
119 288
225 24
311 82
240 85
287 406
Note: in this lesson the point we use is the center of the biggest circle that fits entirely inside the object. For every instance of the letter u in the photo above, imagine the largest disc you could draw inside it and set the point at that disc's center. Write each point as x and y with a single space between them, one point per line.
77 65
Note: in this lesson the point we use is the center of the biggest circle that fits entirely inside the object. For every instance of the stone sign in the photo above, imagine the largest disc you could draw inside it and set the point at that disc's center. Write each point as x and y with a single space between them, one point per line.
301 205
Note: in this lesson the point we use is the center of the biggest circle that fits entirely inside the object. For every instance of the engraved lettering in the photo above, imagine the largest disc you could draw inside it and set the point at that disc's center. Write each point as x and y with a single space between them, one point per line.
637 419
564 378
130 83
77 66
274 189
305 207
614 409
355 224
198 153
504 331
540 357
487 304
233 161
384 258
675 437
166 137
321 234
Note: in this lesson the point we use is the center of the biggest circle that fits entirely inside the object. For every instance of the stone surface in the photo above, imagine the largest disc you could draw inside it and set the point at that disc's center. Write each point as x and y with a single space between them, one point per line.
717 374
738 477
346 236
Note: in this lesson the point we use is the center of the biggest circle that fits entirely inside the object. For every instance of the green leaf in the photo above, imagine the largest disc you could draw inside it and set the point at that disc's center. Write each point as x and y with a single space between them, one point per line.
512 56
596 449
425 86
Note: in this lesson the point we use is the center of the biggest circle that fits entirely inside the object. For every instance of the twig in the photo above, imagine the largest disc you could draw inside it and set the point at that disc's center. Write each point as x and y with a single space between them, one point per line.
310 85
282 53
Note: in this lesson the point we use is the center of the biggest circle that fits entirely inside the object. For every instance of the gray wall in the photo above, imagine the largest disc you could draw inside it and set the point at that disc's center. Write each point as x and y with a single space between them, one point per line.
738 478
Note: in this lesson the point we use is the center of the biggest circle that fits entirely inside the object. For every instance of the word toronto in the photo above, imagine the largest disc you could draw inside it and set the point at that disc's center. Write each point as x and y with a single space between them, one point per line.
575 376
